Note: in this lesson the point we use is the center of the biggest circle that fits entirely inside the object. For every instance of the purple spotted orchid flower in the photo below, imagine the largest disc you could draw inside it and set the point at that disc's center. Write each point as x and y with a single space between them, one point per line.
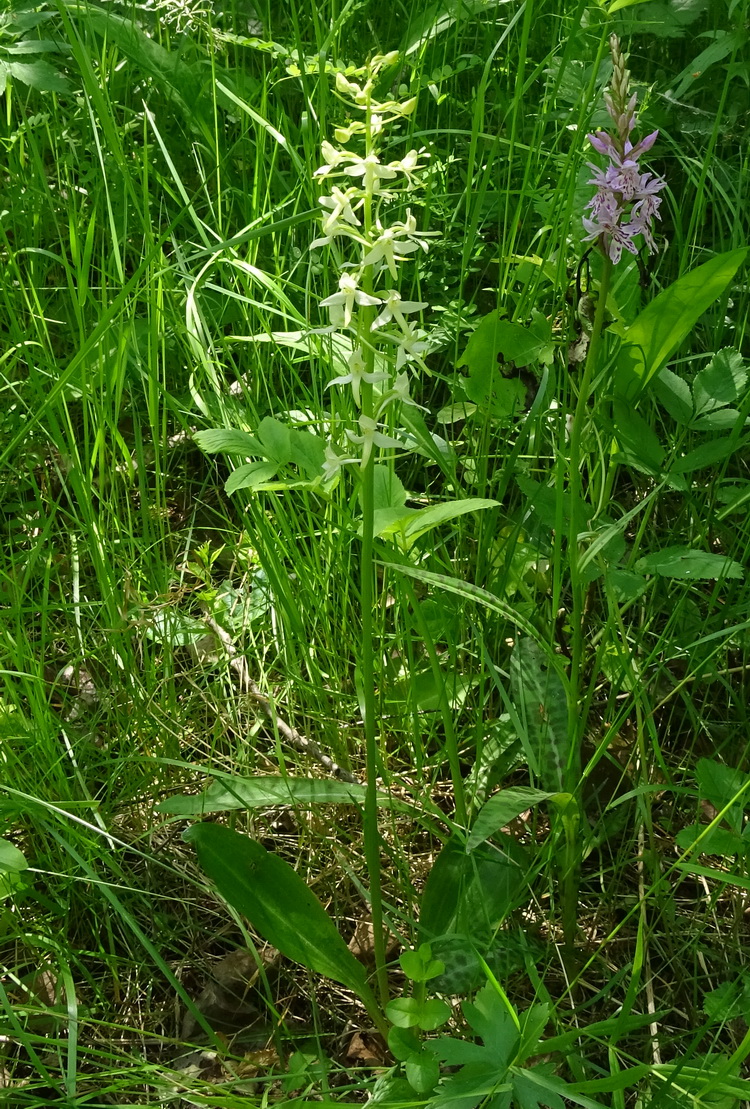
626 200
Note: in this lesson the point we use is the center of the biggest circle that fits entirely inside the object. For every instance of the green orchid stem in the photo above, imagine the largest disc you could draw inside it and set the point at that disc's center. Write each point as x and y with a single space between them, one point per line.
371 833
577 724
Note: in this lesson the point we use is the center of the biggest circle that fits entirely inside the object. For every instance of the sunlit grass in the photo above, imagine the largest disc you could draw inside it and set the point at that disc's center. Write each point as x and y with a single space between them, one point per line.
156 230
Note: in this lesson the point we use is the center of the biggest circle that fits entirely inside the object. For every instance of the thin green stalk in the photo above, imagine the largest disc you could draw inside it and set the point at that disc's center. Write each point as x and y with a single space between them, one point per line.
367 573
577 723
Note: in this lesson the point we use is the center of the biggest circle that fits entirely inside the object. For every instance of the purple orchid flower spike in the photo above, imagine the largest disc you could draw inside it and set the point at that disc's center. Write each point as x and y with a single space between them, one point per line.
626 201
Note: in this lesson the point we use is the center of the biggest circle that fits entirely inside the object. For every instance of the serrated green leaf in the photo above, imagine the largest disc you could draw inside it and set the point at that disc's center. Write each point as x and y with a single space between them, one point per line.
674 393
251 475
227 441
276 441
722 382
708 454
38 75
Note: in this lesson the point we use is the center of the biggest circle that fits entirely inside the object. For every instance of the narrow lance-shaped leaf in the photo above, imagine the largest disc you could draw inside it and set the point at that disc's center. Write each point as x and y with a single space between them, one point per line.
273 897
668 319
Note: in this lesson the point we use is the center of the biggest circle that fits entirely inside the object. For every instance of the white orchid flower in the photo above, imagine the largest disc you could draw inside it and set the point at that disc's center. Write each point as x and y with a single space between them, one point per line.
339 204
341 304
399 392
372 171
357 374
370 438
394 308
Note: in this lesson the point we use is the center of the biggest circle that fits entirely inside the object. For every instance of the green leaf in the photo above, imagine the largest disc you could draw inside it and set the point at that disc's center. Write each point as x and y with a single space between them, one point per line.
531 1092
419 965
542 707
434 1013
722 786
722 382
229 794
227 441
12 861
668 319
674 394
501 809
681 562
307 452
37 75
637 438
388 489
708 454
725 419
471 893
496 336
722 47
251 475
276 441
403 1012
266 890
425 519
402 1041
423 1072
719 841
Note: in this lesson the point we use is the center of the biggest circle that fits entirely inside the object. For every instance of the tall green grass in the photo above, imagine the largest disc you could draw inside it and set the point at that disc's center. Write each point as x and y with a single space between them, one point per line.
158 207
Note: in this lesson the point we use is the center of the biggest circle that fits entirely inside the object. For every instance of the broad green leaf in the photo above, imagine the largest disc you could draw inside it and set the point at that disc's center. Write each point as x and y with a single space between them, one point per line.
722 382
722 786
471 893
668 319
275 439
724 419
11 859
501 809
423 1072
307 452
250 475
403 1012
425 519
637 437
266 890
681 562
37 75
388 490
725 43
229 794
543 500
227 441
511 341
674 394
719 841
542 707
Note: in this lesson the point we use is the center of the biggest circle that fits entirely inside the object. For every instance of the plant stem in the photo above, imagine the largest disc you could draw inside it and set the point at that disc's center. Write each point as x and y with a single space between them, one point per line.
577 723
367 573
